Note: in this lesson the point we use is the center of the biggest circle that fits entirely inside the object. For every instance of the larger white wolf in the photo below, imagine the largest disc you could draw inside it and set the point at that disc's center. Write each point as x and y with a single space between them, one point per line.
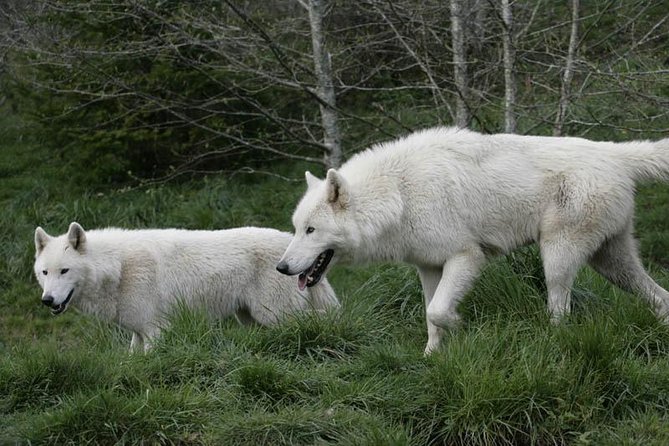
134 277
444 199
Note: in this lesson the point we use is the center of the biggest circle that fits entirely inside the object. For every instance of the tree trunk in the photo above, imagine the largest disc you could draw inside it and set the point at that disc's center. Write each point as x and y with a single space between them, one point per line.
509 70
325 87
565 90
476 25
462 116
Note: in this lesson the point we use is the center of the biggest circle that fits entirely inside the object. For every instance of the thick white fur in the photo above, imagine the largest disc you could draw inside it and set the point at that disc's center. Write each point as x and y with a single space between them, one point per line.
134 277
444 199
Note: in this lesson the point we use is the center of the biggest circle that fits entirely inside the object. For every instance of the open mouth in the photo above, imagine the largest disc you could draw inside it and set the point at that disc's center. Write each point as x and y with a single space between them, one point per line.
63 305
312 275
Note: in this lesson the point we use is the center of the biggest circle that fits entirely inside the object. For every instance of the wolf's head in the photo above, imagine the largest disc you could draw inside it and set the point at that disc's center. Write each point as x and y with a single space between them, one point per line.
59 265
324 229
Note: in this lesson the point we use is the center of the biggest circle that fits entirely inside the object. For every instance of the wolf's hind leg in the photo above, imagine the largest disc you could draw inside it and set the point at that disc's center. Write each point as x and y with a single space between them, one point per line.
562 259
457 277
618 261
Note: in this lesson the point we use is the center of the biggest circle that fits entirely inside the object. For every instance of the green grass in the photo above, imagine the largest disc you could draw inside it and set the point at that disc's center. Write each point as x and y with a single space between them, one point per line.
355 377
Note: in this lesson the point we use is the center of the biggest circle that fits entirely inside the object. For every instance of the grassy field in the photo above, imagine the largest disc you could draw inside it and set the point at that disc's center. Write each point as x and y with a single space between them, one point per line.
354 377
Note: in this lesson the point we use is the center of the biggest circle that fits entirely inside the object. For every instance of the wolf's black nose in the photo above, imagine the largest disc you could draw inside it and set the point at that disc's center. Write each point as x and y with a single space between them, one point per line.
47 300
282 267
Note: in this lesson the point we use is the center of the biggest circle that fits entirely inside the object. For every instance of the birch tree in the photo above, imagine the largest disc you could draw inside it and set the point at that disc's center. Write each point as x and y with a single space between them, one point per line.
567 76
462 114
325 85
509 69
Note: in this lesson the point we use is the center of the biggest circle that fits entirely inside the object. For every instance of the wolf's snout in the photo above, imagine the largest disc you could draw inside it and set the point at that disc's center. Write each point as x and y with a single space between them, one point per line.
283 268
47 300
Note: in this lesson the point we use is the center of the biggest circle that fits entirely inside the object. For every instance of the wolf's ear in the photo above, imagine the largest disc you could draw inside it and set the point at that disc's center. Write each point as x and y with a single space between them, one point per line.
76 236
41 239
337 189
311 179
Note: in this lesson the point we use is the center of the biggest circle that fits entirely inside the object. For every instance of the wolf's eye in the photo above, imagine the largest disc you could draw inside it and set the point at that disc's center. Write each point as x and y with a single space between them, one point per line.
310 229
64 270
45 272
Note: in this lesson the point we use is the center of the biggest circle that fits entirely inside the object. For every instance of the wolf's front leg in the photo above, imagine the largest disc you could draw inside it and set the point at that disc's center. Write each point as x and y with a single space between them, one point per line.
457 277
429 279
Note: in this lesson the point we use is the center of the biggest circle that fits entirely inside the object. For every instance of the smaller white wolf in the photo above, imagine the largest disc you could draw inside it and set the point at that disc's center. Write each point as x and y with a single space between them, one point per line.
445 199
135 277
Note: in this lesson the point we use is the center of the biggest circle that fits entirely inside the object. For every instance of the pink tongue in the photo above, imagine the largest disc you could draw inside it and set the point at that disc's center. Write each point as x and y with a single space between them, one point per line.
302 282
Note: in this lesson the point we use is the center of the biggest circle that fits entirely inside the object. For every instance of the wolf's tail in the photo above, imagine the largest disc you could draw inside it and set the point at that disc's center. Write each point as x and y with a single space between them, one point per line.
648 160
323 296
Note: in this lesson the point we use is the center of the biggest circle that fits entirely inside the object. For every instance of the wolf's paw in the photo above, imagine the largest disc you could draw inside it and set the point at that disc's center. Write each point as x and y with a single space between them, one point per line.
431 347
558 317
